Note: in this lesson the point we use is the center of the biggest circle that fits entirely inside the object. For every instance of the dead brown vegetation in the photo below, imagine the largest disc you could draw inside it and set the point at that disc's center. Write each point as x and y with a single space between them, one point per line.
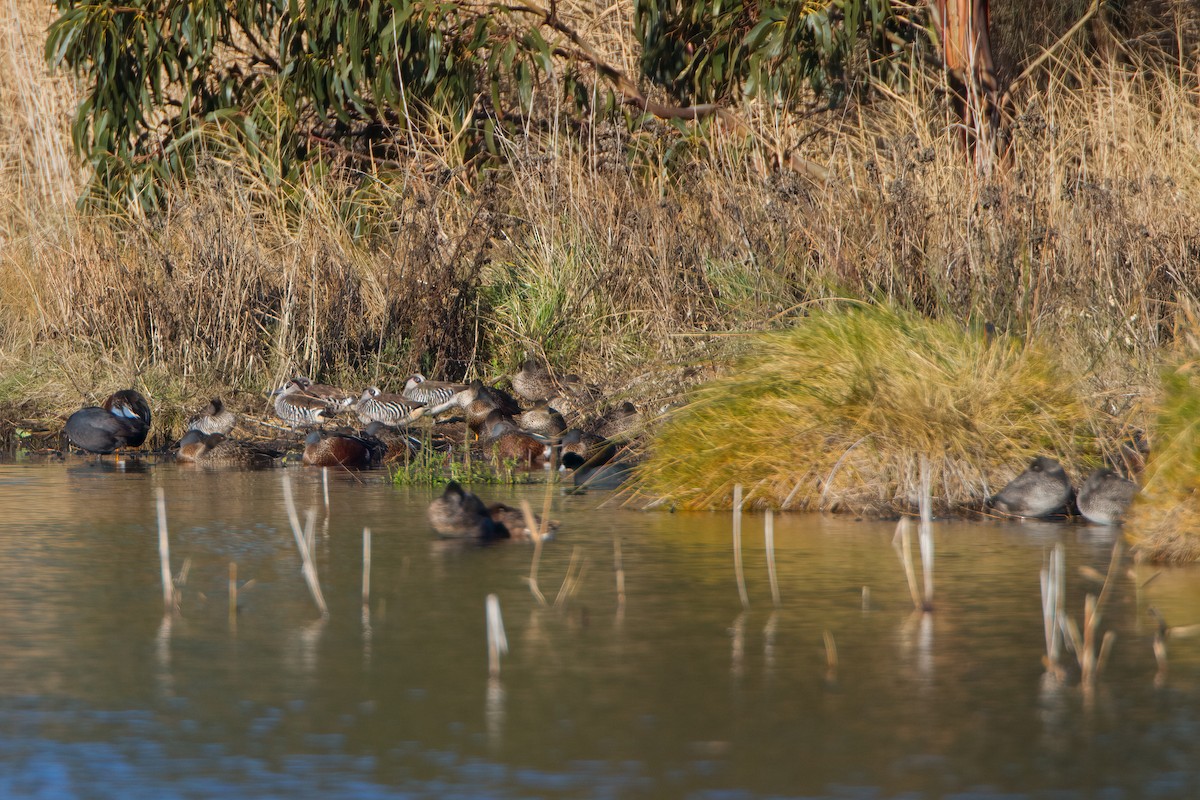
627 257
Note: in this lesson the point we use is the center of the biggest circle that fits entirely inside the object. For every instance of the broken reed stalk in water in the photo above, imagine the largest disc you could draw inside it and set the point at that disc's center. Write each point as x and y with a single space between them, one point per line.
1091 659
309 567
532 525
325 486
1090 655
164 554
1162 633
925 532
1159 646
769 538
497 642
1053 592
831 655
366 586
737 545
904 550
232 593
619 567
570 580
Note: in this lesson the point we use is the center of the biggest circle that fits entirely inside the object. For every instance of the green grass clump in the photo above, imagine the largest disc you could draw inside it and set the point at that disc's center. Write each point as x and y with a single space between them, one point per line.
837 413
431 468
1164 524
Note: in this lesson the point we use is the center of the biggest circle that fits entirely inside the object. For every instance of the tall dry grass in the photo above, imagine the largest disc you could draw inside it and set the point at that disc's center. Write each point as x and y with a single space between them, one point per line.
629 257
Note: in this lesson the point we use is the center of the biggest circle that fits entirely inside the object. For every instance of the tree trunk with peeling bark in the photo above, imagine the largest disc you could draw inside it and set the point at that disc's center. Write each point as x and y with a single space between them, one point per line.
962 27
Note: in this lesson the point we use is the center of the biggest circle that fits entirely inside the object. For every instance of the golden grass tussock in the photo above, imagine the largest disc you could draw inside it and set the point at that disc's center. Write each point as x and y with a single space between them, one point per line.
837 412
1164 522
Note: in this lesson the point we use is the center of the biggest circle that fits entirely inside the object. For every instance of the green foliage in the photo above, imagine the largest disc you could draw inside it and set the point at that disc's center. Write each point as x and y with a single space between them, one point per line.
721 50
1165 518
167 81
430 467
838 412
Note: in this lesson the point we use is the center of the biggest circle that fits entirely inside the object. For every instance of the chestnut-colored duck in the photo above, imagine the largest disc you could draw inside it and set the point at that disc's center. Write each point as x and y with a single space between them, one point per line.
323 449
503 440
513 520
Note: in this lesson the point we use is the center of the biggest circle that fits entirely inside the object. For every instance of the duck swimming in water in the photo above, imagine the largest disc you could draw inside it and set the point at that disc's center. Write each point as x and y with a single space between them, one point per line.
459 514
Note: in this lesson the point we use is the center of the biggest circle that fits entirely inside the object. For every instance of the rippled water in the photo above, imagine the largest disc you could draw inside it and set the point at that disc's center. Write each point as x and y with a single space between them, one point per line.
677 693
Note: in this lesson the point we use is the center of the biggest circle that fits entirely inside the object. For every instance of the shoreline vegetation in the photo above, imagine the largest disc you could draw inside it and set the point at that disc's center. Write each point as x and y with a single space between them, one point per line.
670 263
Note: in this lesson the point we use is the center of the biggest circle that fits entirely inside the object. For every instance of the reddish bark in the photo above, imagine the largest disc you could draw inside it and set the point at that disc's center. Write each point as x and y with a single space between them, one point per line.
967 52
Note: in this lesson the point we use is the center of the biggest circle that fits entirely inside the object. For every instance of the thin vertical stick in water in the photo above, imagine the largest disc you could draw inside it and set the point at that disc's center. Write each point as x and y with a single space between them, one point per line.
164 554
496 640
831 656
619 567
289 503
366 594
925 532
310 529
1052 578
325 486
233 594
310 569
737 656
737 545
866 598
769 536
906 560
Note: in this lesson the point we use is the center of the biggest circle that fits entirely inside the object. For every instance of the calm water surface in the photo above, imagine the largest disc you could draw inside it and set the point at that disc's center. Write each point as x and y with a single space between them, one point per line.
677 693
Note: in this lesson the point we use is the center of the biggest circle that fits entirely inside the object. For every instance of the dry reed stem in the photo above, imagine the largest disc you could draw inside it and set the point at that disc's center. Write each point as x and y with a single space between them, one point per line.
769 539
497 641
164 554
925 531
366 576
531 523
737 546
310 530
619 570
1053 602
904 551
233 595
309 566
831 654
571 580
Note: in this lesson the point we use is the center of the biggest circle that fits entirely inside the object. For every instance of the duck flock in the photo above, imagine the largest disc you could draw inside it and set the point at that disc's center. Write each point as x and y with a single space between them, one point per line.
545 420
